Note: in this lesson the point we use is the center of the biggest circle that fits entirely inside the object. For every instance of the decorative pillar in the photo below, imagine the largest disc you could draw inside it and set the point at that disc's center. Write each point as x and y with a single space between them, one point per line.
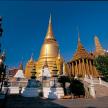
72 69
83 67
76 68
87 67
91 68
80 69
75 72
95 72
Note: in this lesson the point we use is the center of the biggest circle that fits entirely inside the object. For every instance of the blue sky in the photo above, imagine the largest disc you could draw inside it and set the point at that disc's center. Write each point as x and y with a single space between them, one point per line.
25 24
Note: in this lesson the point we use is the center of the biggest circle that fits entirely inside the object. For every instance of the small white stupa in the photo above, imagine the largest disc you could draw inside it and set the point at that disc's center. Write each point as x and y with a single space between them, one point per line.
19 73
45 71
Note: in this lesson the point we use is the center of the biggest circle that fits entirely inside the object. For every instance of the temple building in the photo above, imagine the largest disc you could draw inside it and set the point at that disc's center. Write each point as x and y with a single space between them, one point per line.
50 52
98 48
82 63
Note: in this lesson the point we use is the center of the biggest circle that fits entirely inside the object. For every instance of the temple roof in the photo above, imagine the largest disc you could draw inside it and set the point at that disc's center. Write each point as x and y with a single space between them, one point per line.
81 52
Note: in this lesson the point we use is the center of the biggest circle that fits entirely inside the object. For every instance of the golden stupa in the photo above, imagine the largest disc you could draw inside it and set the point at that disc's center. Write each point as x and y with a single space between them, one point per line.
28 68
99 50
49 53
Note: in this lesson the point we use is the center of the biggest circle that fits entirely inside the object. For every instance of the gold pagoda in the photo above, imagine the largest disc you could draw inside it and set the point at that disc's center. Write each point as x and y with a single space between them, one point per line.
49 52
82 63
29 67
98 48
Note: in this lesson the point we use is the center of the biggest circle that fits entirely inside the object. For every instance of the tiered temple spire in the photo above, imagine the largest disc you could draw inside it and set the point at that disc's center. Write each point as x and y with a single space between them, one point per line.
98 47
49 51
81 52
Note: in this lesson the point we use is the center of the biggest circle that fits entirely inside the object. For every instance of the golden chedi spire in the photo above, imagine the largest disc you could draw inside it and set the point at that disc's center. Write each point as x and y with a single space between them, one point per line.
49 50
49 43
98 48
49 34
81 52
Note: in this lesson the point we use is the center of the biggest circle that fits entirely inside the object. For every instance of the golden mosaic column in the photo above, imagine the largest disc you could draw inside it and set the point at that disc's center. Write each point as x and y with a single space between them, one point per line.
87 67
73 73
83 67
91 68
76 68
80 67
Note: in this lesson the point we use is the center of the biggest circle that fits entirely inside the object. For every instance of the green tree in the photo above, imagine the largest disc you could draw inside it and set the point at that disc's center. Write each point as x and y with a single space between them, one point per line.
77 87
101 63
63 80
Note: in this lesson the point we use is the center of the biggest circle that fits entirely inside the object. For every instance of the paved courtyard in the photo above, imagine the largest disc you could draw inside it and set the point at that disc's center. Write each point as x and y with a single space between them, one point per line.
15 101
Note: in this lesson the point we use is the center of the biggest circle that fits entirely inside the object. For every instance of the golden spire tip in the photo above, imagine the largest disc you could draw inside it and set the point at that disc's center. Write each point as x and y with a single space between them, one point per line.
50 19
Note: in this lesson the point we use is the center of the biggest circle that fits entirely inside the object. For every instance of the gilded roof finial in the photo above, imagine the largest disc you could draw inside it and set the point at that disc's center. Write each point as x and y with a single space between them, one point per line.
50 19
31 59
78 36
79 46
20 65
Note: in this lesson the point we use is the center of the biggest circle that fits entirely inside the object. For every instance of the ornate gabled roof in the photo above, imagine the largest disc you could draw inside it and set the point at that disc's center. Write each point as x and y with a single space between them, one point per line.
81 52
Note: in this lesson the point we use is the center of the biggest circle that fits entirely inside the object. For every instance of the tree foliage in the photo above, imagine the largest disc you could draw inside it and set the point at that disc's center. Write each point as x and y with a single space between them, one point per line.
77 88
101 63
63 80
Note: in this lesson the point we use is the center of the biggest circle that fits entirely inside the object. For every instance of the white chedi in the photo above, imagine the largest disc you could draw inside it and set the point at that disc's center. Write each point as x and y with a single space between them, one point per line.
45 72
19 74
